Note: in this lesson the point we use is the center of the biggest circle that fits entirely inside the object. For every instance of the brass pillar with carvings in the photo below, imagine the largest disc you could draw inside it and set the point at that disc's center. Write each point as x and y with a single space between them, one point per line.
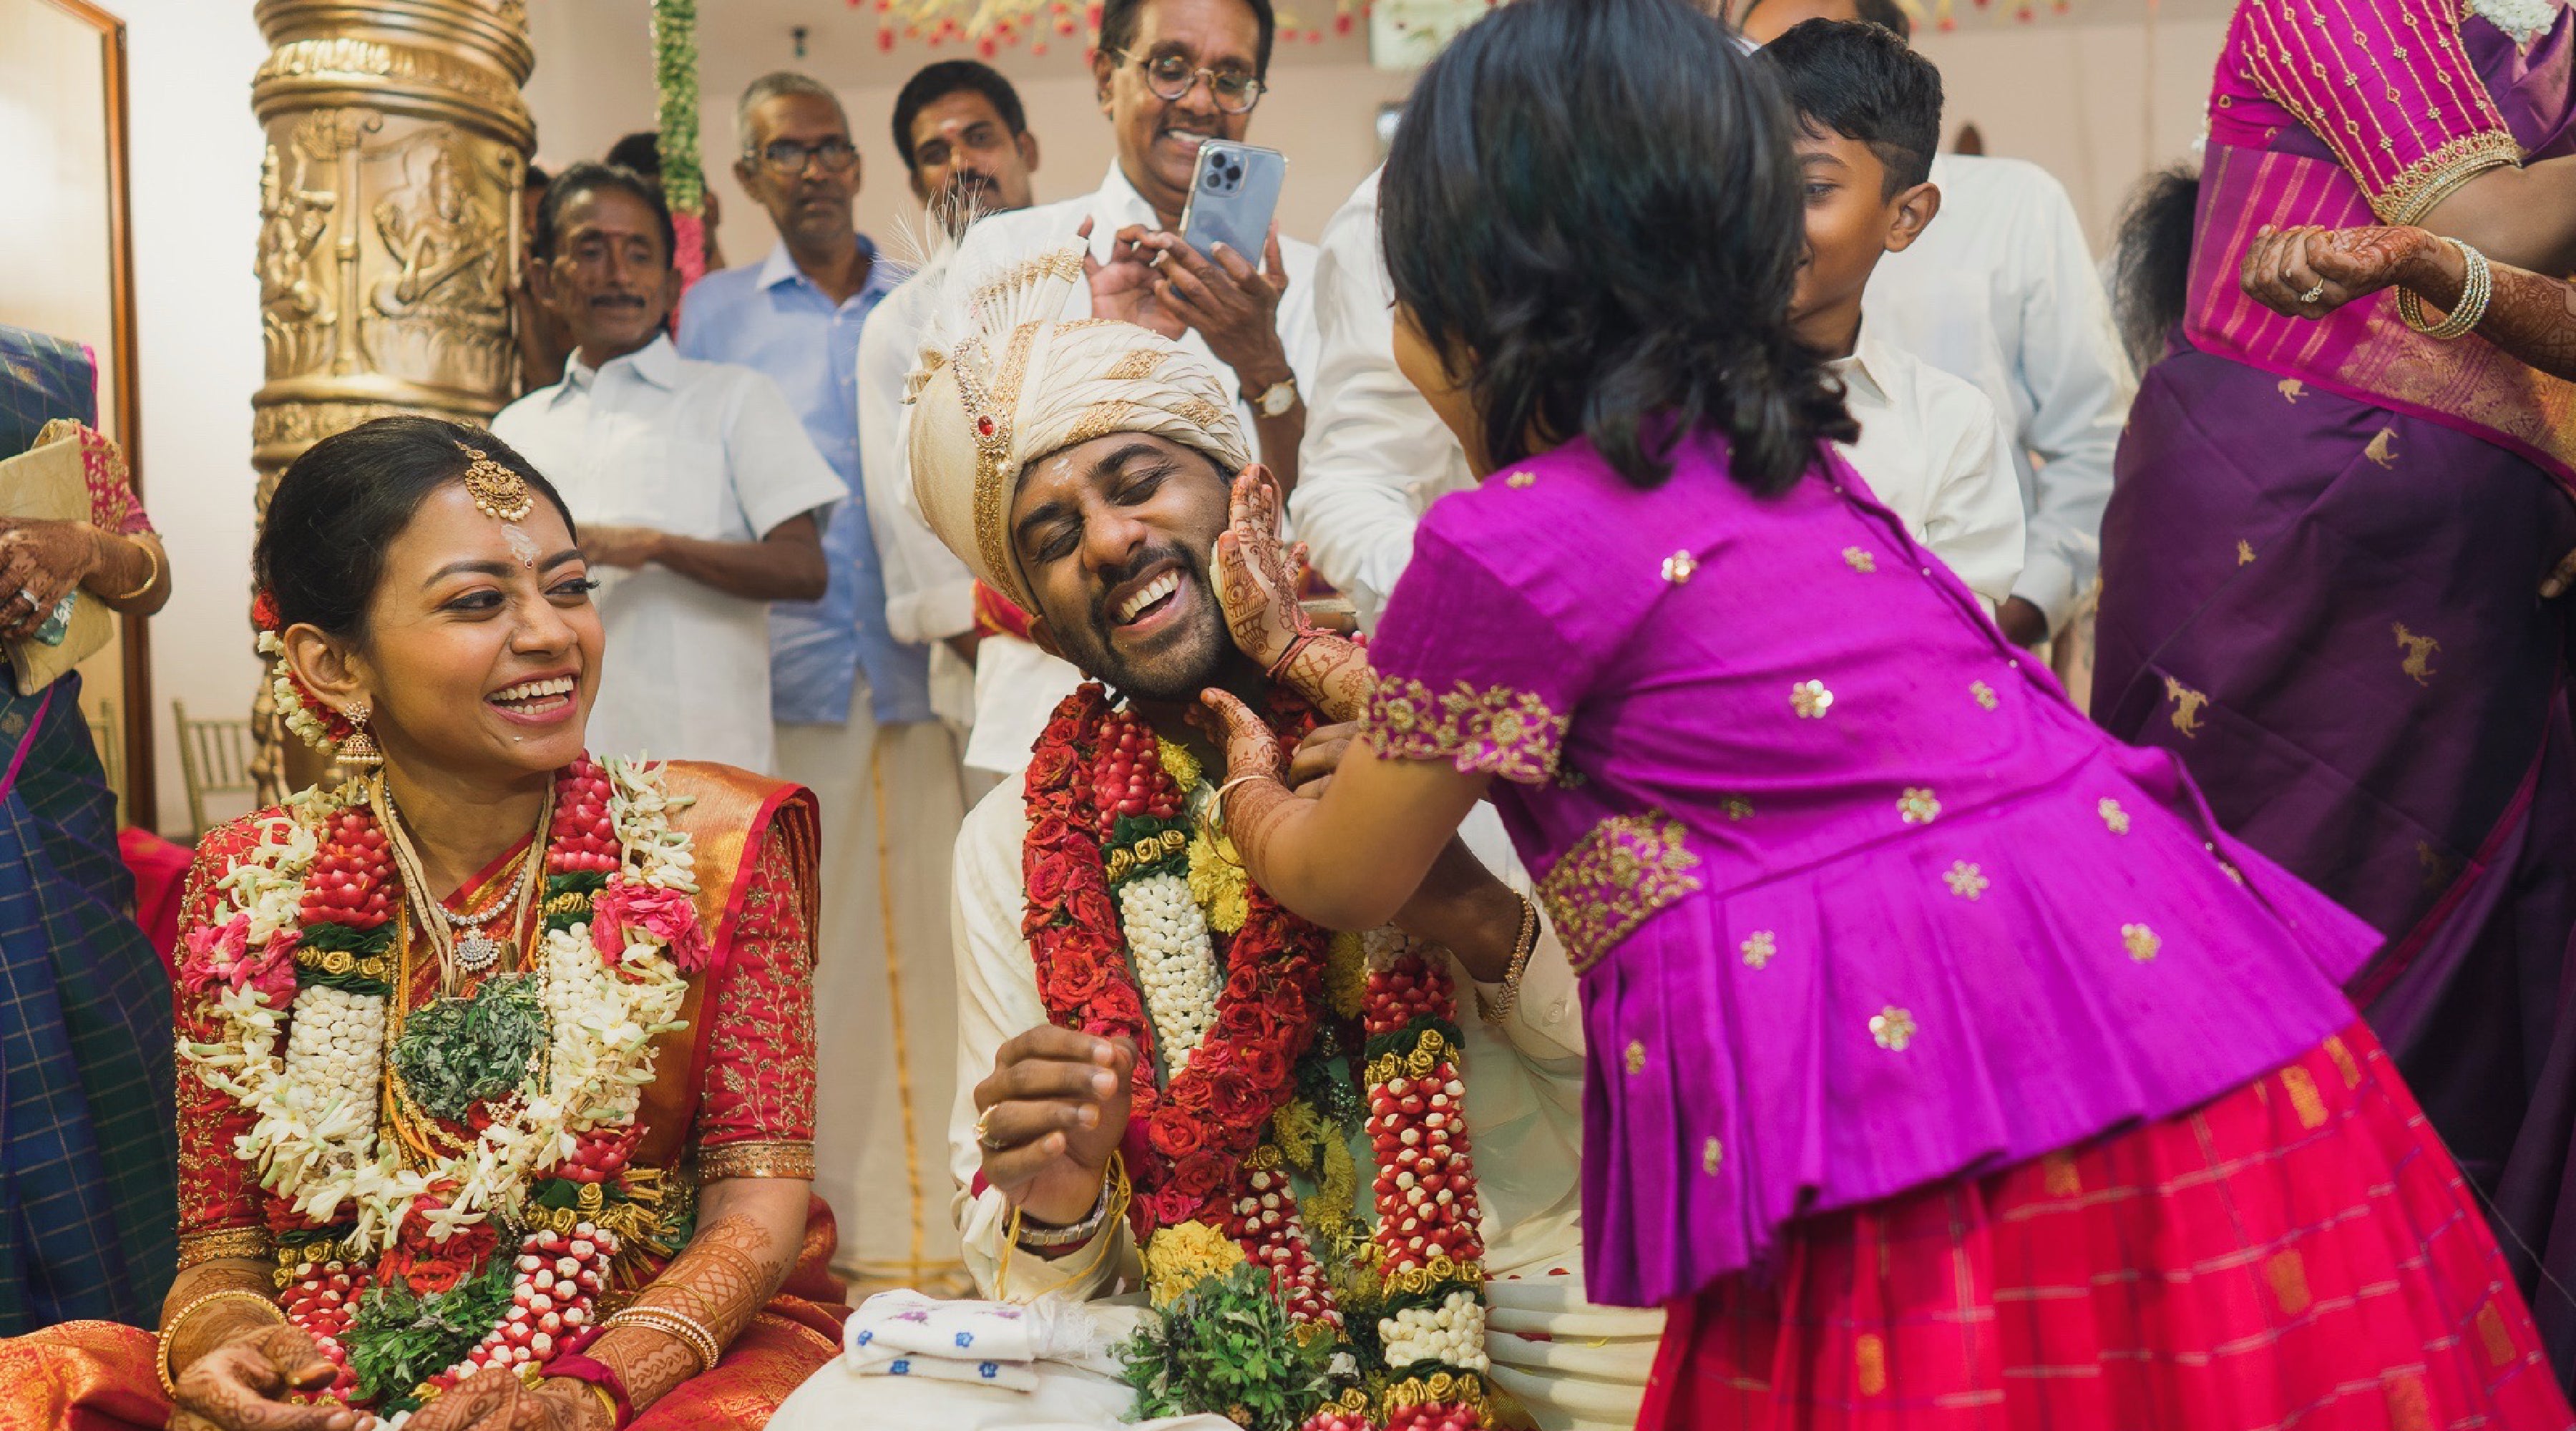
389 231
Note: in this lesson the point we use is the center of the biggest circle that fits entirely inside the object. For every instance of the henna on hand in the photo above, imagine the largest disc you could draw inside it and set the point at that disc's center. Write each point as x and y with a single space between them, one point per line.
1252 809
1332 673
720 1281
495 1399
242 1384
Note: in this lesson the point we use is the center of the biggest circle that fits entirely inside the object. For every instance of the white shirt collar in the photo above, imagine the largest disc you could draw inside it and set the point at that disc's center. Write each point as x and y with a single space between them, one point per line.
1118 204
656 362
1866 371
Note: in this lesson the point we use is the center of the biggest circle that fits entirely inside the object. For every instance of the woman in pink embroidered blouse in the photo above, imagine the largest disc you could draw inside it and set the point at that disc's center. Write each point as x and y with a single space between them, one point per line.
1947 1067
2323 557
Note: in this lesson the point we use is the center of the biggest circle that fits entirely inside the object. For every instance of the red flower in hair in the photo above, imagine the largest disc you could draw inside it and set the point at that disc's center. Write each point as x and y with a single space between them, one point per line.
263 611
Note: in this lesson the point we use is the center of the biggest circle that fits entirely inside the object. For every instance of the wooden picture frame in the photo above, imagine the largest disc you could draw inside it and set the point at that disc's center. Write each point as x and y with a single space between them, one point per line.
120 405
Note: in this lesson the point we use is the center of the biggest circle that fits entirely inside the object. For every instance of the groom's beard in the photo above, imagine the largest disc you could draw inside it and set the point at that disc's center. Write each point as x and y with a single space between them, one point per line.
1175 663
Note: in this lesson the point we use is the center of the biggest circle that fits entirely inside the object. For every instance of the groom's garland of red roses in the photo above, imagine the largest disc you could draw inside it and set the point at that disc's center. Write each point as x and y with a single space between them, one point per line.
1185 1144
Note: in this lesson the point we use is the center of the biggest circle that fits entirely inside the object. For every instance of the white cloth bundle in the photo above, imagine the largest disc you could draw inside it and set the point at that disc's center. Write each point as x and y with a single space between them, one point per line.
994 1344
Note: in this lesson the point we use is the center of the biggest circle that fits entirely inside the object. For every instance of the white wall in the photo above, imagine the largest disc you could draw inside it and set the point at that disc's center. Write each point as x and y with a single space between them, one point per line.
2098 104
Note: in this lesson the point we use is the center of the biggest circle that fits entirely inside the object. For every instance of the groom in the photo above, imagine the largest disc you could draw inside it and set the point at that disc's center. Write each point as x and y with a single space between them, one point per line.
1083 469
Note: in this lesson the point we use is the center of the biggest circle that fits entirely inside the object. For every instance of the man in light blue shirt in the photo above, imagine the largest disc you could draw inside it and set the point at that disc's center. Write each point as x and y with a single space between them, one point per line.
852 702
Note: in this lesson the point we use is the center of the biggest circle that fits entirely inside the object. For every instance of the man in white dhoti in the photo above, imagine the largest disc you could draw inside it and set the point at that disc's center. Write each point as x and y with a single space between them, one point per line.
1163 1075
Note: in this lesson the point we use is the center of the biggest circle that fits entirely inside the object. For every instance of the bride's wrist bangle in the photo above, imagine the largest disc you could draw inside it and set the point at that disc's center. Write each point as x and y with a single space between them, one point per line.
170 1328
601 1379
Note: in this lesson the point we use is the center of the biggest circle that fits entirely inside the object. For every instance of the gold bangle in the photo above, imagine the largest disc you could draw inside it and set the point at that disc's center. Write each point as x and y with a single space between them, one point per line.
2477 286
170 1330
1523 946
1218 803
150 560
677 1325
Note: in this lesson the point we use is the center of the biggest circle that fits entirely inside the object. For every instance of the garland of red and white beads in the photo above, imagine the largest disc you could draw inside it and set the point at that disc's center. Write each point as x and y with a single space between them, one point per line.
554 1301
1430 1252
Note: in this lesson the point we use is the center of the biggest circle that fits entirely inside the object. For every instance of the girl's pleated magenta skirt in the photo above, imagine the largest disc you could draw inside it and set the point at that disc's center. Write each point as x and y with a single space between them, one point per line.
2300 1253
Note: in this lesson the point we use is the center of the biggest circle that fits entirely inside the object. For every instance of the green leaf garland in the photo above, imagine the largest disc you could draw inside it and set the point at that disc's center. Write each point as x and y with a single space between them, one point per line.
401 1339
460 1051
1226 1348
675 80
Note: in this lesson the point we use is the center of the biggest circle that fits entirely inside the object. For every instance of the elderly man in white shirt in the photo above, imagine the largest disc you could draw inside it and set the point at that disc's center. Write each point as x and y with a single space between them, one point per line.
694 484
1169 75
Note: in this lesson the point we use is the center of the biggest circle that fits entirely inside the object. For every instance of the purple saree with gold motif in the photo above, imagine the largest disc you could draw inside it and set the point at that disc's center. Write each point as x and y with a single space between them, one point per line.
2320 572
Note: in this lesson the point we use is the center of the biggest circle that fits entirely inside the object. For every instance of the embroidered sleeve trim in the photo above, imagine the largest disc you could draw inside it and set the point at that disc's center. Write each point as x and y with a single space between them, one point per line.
756 1160
199 1248
1509 732
1623 872
2424 184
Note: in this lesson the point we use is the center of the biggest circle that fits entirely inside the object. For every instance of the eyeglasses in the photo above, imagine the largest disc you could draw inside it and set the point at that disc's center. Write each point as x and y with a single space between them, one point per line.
1171 77
786 156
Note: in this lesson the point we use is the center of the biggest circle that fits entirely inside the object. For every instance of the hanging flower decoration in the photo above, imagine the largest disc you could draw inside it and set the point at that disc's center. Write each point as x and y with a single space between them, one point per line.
675 116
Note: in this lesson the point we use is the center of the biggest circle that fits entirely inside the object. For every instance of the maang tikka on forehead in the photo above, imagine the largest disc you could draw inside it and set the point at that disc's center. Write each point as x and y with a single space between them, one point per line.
498 492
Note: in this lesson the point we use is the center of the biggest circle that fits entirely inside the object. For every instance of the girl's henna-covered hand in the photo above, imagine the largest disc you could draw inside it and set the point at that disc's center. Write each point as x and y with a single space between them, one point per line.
1256 793
1256 585
242 1385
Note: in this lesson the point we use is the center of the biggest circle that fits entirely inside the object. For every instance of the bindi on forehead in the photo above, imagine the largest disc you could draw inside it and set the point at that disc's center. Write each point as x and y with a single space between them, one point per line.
521 545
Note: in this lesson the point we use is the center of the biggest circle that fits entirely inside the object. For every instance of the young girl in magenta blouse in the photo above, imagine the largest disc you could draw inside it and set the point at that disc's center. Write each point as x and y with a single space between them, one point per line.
1948 1067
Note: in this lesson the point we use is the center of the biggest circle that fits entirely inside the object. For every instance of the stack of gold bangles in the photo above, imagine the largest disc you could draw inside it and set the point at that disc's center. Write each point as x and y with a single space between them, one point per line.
170 1328
679 1326
2475 289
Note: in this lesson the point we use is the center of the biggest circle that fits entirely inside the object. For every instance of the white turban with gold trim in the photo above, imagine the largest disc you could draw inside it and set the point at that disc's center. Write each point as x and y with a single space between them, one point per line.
1010 380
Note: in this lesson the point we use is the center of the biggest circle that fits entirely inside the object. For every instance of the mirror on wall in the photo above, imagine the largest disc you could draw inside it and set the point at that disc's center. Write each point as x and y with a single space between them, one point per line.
70 273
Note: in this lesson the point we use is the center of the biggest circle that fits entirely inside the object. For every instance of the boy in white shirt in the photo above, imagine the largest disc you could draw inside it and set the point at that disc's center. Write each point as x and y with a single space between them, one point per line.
1932 447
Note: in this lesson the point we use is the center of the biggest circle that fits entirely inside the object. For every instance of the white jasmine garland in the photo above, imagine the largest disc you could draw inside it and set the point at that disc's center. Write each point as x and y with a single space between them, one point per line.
1452 1333
1174 959
289 700
313 1135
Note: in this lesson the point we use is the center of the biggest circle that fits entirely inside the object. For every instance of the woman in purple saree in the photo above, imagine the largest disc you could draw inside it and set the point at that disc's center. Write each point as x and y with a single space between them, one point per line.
2323 559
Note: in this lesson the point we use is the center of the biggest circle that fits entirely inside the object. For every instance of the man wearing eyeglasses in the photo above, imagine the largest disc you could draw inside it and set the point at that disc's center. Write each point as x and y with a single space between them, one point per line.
853 710
1168 75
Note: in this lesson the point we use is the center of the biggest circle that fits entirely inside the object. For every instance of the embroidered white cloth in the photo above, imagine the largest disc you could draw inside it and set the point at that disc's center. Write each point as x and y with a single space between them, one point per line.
999 1344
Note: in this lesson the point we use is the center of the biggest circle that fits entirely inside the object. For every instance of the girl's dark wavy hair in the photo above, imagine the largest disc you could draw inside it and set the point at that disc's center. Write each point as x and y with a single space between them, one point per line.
321 548
1594 213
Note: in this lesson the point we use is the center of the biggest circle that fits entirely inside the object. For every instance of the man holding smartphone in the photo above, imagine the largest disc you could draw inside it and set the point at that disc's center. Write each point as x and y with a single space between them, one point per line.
1169 75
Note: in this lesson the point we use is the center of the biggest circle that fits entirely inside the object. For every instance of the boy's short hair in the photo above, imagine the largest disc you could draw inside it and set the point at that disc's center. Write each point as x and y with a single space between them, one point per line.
1860 81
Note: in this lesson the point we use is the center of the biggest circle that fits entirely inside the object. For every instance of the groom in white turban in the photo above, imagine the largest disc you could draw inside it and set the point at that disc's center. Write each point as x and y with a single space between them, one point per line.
1081 467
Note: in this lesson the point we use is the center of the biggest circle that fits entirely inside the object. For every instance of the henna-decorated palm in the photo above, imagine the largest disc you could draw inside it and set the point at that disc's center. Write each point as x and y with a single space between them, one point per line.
2285 266
243 1384
1256 576
495 1399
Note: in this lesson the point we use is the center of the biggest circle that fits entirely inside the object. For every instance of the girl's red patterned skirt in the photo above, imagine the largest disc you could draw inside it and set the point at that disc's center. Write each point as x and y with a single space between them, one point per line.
2298 1254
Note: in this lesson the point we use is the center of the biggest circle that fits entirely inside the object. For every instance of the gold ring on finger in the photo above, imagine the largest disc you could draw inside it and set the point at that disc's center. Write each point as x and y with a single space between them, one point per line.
984 1138
2313 294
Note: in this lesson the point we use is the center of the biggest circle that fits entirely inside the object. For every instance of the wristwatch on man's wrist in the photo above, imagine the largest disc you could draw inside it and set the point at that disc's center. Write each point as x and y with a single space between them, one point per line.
1276 399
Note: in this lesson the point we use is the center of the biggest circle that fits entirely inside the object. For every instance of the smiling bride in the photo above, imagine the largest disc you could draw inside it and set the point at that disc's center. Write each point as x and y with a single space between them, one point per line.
496 1062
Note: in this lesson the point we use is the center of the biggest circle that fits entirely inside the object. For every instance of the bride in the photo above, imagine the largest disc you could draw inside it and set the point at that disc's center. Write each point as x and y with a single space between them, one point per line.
496 1062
